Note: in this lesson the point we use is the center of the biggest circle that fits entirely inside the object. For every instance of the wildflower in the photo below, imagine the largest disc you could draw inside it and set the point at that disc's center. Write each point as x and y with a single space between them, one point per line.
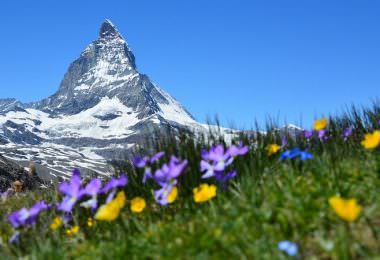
347 132
308 134
144 162
224 178
138 204
284 142
111 210
170 172
66 218
57 222
204 193
27 216
112 186
322 135
288 247
166 177
371 141
166 195
272 149
219 157
90 222
235 151
120 199
208 169
320 124
92 189
72 231
5 195
173 195
215 162
346 209
72 190
296 152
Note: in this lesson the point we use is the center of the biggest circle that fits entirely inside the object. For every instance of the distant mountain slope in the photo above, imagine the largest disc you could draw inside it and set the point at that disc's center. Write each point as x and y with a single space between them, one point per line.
103 105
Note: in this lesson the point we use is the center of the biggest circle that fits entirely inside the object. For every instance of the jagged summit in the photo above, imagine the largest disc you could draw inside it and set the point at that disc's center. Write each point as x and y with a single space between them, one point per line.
108 29
103 105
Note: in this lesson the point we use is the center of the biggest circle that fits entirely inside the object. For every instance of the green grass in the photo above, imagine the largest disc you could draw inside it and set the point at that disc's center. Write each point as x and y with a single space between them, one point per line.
268 202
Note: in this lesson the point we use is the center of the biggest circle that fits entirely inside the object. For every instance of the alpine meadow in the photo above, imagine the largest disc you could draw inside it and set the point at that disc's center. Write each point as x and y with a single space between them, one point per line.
109 165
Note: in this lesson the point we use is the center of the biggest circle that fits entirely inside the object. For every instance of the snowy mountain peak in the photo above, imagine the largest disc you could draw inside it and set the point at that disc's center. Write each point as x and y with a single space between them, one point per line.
108 30
103 106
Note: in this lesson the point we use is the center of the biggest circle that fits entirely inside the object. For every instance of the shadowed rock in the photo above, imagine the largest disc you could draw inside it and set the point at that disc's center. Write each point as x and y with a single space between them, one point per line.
10 173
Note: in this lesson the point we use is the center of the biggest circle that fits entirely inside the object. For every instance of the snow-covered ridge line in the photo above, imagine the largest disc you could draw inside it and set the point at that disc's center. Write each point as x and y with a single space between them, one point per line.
104 107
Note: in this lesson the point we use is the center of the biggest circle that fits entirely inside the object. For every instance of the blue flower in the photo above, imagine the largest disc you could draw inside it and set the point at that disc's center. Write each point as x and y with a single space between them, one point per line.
296 152
288 247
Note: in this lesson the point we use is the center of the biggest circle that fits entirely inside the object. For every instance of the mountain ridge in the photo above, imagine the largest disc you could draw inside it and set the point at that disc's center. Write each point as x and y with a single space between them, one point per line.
103 105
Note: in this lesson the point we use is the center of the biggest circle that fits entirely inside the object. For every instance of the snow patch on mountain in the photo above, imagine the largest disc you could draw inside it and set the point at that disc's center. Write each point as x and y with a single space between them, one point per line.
103 107
174 111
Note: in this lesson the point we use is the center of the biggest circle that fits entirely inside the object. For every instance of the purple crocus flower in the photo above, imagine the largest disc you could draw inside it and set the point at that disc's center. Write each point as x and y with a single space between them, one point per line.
92 189
145 162
112 186
296 152
72 190
26 216
347 133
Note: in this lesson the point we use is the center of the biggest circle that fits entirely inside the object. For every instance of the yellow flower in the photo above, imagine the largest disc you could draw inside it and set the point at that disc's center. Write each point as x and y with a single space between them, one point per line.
120 199
346 209
272 149
111 210
57 222
72 231
204 193
138 205
90 222
371 141
320 124
173 195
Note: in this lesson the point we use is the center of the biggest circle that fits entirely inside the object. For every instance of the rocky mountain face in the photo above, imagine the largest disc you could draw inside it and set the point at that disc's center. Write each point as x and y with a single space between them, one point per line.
103 106
11 172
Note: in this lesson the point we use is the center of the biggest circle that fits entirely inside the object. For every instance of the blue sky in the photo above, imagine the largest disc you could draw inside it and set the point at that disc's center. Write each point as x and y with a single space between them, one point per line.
243 60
